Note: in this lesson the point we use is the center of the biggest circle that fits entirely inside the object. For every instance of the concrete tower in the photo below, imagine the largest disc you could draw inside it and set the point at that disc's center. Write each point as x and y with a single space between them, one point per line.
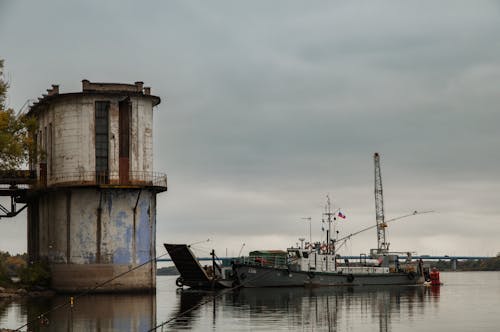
92 215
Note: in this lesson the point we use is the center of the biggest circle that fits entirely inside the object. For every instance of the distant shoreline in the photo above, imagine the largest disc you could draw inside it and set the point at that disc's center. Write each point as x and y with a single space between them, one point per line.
167 271
491 264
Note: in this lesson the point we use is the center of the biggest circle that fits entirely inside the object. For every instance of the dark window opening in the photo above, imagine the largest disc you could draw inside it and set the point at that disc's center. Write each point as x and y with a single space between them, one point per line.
51 150
124 110
102 141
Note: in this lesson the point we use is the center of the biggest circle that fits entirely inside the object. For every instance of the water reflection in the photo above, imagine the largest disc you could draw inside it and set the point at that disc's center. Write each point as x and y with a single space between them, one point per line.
188 308
326 309
92 313
265 309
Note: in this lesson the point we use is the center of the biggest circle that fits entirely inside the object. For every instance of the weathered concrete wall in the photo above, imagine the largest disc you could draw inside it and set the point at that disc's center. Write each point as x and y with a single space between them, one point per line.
142 136
66 133
103 227
92 228
71 278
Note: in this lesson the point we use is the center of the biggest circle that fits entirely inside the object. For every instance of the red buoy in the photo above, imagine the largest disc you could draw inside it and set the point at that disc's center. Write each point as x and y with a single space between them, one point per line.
434 276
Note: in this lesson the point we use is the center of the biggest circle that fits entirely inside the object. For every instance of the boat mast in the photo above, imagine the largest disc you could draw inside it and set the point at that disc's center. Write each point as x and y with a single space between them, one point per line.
328 213
310 232
382 245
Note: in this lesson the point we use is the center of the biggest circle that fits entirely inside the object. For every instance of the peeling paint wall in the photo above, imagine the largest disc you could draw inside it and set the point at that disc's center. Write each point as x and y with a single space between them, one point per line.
141 147
90 233
100 228
70 147
122 241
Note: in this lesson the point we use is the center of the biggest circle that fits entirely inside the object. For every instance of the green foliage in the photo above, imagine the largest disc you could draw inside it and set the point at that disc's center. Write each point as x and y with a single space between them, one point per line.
7 268
37 274
16 133
4 277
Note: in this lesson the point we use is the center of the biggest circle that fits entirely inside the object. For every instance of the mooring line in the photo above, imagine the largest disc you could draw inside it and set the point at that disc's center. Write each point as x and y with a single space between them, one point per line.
194 307
222 292
88 291
42 316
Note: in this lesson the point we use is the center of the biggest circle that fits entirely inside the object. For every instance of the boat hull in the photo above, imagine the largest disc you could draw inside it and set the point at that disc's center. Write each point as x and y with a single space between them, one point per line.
262 276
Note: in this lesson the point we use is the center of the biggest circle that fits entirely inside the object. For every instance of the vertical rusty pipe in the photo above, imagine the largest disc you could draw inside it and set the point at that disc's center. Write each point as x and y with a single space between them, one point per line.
98 230
134 230
68 227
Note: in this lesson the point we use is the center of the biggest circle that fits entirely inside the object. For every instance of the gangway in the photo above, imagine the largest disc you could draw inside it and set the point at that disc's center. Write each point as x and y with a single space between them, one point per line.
192 274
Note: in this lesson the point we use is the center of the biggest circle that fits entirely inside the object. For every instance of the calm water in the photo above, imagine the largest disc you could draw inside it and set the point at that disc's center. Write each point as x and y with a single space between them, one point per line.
469 301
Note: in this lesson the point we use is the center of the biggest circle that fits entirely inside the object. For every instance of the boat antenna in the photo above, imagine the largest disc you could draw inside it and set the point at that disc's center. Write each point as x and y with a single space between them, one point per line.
301 239
328 213
241 249
310 236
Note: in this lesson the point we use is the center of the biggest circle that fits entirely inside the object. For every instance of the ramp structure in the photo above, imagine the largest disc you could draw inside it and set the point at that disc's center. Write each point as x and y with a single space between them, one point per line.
192 273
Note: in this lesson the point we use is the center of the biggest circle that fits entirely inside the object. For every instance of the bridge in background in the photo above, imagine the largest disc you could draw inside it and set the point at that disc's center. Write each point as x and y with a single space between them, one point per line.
423 257
453 259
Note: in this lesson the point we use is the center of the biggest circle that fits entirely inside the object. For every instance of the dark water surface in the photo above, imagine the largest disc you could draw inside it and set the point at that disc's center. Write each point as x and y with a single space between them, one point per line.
469 301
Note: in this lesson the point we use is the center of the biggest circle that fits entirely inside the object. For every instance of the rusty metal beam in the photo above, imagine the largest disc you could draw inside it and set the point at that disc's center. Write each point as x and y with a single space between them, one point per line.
15 177
16 196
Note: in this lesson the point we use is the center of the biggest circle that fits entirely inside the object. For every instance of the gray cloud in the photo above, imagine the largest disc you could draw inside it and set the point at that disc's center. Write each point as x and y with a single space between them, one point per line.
268 106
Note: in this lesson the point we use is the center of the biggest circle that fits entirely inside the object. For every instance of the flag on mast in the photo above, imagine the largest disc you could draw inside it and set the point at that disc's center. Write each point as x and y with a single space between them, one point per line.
341 215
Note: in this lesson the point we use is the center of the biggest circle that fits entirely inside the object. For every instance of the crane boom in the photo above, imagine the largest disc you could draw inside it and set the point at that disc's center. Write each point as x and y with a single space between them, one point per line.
382 245
348 237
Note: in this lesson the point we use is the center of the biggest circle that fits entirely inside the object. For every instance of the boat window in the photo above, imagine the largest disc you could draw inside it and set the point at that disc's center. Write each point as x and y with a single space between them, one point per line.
305 254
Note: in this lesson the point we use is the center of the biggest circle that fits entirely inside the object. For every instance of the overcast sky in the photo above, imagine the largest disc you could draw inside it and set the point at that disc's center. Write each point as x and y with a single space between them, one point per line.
268 106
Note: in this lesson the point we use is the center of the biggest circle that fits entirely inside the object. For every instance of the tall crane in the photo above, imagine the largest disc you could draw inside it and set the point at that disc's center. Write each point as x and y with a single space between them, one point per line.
382 245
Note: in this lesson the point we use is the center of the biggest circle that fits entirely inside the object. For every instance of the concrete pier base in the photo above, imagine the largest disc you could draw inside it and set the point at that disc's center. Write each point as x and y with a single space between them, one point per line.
72 278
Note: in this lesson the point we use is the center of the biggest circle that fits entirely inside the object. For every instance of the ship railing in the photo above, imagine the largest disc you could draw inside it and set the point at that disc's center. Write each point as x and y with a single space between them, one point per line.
141 178
267 261
363 269
17 178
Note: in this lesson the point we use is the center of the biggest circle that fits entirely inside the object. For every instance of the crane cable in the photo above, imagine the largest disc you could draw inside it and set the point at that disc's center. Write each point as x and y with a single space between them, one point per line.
348 237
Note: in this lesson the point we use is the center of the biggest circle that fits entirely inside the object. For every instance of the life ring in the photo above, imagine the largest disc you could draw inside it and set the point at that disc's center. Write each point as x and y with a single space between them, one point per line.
179 282
350 277
411 275
310 274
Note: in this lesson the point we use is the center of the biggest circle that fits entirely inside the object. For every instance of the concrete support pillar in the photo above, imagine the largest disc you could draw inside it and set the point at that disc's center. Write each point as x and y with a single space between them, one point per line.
453 263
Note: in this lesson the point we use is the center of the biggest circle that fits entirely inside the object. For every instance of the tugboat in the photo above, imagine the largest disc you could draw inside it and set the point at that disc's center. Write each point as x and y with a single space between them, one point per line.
310 265
318 264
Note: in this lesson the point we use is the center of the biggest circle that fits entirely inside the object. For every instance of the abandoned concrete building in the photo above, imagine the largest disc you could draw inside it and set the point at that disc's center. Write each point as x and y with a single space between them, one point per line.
92 212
